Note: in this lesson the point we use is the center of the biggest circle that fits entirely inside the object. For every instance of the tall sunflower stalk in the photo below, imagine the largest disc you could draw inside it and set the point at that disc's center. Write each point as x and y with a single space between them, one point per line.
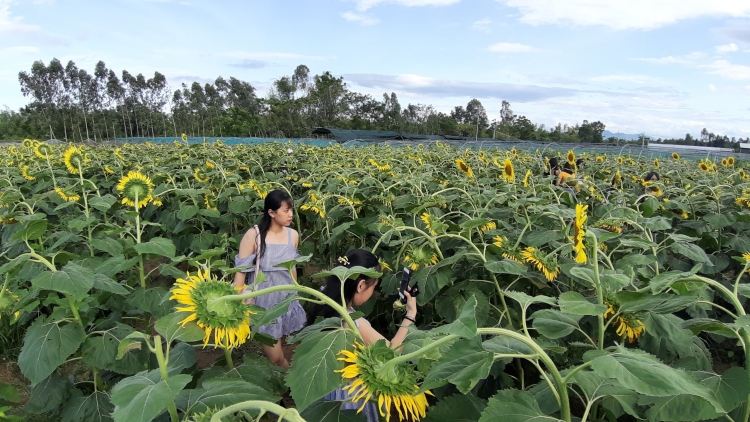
136 189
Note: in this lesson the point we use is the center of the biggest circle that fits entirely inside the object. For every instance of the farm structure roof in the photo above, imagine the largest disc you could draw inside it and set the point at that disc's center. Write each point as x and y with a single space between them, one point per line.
346 135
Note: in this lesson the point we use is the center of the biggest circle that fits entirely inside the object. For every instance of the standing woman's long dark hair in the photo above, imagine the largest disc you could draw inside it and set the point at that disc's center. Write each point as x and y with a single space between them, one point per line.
332 289
274 200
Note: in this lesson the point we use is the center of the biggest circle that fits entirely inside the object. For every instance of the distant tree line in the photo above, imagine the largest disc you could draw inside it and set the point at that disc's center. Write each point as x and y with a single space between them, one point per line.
69 103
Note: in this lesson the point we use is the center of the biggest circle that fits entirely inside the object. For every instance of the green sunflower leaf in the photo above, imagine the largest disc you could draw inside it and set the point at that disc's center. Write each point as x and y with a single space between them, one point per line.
157 246
141 399
171 328
47 346
312 376
514 406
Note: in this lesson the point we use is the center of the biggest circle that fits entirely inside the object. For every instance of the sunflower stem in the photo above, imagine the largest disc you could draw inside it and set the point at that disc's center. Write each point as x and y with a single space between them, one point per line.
559 382
74 309
228 357
297 288
598 287
162 360
86 208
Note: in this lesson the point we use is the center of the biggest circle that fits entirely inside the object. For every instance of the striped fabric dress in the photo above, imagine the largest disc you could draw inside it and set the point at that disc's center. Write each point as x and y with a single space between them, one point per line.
370 410
294 319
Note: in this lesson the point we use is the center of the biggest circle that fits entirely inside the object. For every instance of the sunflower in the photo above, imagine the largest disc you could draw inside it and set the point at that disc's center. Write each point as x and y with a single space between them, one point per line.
546 264
118 154
200 175
184 138
599 159
420 256
362 369
482 158
730 161
67 197
210 201
499 241
461 164
74 159
135 187
724 162
703 166
108 170
380 167
384 266
43 151
619 160
8 301
210 164
526 179
314 208
571 157
656 162
617 179
25 173
655 190
628 323
427 219
675 156
229 322
610 226
306 185
509 173
27 143
488 226
579 233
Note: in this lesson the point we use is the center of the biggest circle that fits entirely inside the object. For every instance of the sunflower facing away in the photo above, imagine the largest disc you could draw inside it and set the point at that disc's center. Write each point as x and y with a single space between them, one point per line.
461 164
628 324
135 187
400 389
228 322
509 173
571 156
200 175
68 197
43 151
546 264
580 233
427 219
74 159
527 178
419 256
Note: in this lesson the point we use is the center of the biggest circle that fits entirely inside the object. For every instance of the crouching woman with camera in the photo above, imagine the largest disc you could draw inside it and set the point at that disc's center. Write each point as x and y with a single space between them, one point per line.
357 292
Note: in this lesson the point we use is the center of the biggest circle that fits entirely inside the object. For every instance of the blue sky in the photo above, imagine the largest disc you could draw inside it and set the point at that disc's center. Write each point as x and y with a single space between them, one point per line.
663 67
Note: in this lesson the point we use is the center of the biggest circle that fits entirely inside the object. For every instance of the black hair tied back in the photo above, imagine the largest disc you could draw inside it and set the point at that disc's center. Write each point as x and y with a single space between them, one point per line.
332 289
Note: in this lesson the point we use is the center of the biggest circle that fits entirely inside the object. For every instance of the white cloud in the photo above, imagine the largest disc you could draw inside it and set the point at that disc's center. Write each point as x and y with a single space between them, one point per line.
624 14
423 86
729 70
712 87
363 5
728 48
270 55
508 47
691 58
638 79
14 28
361 18
482 25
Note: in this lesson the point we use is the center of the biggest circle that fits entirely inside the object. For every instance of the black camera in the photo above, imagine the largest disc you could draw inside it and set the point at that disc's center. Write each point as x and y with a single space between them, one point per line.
405 286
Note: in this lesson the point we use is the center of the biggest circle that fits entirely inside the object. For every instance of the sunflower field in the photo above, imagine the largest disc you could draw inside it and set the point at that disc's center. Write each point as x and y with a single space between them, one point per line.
608 298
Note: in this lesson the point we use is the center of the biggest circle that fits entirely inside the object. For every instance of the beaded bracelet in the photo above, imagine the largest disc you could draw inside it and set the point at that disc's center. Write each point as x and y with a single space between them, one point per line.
410 319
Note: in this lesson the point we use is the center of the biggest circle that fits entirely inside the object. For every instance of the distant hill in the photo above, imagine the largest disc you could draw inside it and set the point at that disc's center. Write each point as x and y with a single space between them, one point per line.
626 136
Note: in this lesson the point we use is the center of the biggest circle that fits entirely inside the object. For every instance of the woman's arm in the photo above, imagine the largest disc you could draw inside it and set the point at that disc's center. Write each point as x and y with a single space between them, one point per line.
295 242
369 335
247 248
